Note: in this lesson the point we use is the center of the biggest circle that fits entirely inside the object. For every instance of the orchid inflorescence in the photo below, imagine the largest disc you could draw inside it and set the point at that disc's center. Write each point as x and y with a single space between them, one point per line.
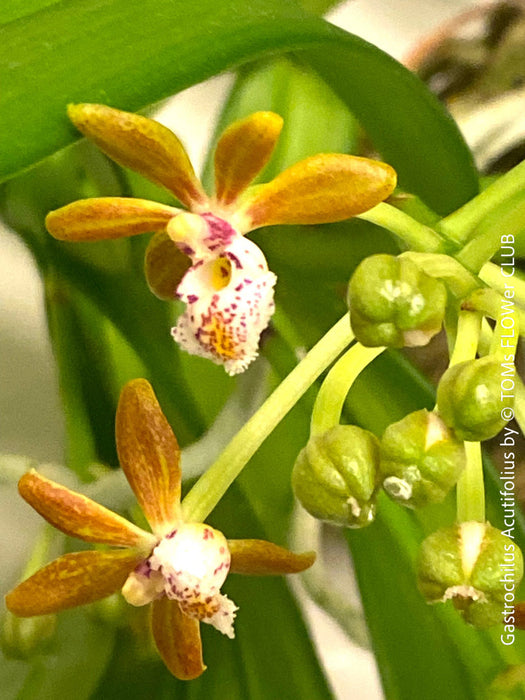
200 255
179 566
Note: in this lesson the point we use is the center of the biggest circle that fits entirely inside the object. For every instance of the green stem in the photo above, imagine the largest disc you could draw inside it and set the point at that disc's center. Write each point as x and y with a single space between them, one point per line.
469 327
212 485
416 236
498 279
460 225
491 304
496 232
470 488
519 403
444 267
505 337
332 394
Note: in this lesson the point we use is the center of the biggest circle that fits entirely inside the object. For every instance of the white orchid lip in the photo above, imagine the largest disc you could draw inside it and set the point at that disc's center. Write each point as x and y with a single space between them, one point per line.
229 299
188 565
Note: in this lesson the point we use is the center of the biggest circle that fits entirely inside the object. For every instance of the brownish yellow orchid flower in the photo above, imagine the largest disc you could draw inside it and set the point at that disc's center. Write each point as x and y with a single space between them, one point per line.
179 567
221 276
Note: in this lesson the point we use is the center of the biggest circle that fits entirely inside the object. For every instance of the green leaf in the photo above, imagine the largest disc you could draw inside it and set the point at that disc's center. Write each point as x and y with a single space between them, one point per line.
129 54
14 9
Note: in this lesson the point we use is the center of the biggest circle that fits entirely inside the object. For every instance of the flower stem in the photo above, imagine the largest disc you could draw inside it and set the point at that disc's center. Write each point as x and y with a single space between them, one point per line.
212 485
492 275
470 491
469 328
459 225
519 404
470 488
331 397
417 236
501 226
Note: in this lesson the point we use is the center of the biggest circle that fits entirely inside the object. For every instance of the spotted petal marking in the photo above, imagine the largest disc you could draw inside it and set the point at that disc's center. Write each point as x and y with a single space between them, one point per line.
229 302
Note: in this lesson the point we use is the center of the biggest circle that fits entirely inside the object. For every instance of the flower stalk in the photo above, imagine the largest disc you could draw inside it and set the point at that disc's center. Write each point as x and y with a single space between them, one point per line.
417 236
470 490
212 485
334 389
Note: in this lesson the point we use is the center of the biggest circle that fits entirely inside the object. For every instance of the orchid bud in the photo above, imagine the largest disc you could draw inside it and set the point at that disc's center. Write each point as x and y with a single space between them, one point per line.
474 565
335 476
420 459
469 398
394 303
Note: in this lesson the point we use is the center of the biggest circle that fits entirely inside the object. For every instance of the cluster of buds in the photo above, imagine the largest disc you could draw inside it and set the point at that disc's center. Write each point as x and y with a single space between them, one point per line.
419 459
338 475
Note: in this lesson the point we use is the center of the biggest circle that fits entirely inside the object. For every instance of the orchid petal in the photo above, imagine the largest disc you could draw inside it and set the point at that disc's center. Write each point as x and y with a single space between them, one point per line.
143 145
178 639
71 580
164 266
261 558
103 218
320 189
242 152
79 516
229 302
149 455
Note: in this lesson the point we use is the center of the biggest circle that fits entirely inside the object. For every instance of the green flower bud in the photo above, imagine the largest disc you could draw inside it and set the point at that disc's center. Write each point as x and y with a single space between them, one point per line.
394 303
335 476
469 399
420 459
474 565
23 637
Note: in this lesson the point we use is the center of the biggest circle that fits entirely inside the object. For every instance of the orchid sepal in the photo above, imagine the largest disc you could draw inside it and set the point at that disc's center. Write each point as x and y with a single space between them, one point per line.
323 188
77 515
108 218
149 455
71 580
243 150
143 145
262 558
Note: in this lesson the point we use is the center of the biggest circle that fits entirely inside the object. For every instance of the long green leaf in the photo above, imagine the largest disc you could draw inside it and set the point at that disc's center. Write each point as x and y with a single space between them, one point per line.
131 53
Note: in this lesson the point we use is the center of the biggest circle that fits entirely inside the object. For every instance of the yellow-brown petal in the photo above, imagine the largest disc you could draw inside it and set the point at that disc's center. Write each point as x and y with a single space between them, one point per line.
149 455
78 516
164 266
143 145
323 188
104 218
178 639
262 558
71 580
242 152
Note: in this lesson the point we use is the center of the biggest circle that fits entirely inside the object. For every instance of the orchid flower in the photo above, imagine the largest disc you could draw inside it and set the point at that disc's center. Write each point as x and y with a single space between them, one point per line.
221 276
179 566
